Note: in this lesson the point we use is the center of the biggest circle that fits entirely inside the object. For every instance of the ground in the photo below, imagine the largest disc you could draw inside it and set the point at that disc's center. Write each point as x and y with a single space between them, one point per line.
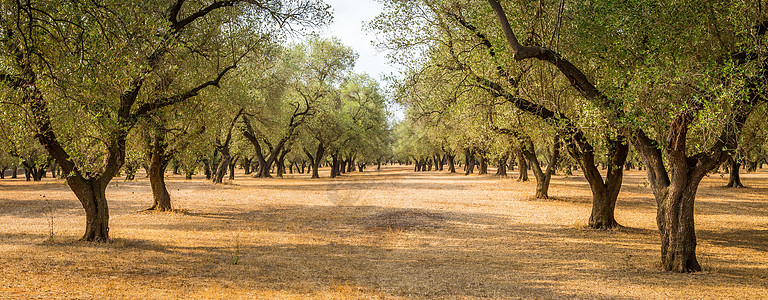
386 234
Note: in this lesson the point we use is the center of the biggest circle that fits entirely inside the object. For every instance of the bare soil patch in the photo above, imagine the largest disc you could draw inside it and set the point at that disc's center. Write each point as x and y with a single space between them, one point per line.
387 234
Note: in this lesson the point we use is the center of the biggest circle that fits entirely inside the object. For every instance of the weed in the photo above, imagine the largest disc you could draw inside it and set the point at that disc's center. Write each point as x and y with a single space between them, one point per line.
49 212
236 254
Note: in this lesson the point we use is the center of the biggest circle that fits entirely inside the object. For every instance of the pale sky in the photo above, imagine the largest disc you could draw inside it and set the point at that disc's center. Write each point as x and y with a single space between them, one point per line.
348 18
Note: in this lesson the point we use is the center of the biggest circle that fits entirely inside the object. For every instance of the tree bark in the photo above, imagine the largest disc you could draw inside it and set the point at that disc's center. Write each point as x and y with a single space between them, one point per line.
351 164
469 159
207 169
604 193
522 166
675 190
92 196
157 166
734 180
483 164
334 165
543 178
232 165
263 169
281 162
342 166
221 169
451 163
223 148
319 154
676 226
247 165
501 170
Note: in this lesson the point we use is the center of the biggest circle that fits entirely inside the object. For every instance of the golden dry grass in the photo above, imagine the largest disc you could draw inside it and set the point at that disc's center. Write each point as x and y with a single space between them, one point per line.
388 234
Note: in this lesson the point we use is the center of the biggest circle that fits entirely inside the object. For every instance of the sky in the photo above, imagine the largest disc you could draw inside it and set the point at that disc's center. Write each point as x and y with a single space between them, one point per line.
348 18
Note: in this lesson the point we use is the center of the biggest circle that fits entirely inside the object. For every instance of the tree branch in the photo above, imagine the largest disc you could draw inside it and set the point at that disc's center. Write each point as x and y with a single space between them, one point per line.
168 101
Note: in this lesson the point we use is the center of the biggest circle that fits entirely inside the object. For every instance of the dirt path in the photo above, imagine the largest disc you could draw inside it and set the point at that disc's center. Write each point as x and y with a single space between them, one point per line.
388 234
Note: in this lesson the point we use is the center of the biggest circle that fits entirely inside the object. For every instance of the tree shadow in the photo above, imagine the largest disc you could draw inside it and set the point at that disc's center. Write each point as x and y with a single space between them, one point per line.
754 239
36 208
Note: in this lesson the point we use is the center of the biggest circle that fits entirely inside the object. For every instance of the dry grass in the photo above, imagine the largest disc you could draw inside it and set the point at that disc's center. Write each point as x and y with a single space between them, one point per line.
389 234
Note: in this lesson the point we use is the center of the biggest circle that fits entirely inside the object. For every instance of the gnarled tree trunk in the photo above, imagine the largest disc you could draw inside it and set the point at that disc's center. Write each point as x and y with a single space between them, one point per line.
501 170
319 154
604 193
483 169
223 148
451 163
335 165
542 177
676 227
522 166
92 196
232 165
469 159
158 162
734 180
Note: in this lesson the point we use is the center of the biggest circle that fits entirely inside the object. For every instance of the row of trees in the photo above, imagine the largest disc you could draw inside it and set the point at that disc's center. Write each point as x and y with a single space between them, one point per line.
104 87
677 81
110 86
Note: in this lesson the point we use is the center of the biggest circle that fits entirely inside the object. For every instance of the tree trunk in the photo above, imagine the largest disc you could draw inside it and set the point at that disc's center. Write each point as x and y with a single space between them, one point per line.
522 167
250 134
342 166
247 165
281 162
232 165
451 163
334 165
351 165
543 178
92 196
734 180
221 170
483 165
158 164
676 227
469 159
604 193
675 192
319 154
223 148
38 174
207 169
502 165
